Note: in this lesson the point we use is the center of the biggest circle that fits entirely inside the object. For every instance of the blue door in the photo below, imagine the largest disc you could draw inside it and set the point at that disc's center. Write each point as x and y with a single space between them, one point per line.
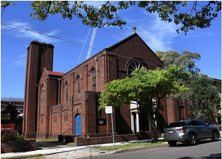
78 124
135 124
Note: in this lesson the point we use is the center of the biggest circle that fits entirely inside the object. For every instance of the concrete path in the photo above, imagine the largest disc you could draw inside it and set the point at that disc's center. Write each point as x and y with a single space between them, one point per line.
66 152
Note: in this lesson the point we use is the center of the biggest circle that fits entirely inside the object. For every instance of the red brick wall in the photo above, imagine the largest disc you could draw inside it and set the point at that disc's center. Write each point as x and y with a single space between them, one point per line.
112 64
173 109
118 138
17 146
39 55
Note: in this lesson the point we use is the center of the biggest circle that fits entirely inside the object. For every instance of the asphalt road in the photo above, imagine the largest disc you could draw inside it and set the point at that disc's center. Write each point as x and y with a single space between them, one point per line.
204 150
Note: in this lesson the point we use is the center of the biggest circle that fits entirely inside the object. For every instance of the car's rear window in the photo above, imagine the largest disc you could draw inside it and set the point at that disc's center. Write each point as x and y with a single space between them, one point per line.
177 124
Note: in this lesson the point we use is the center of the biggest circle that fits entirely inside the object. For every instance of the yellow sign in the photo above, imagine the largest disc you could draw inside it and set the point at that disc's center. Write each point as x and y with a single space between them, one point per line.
5 116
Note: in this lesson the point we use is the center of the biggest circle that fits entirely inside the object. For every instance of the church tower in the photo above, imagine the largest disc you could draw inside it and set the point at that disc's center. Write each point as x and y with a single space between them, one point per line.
39 55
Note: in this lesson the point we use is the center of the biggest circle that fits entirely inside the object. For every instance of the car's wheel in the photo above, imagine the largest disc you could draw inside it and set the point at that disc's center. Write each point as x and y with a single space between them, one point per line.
192 139
215 136
172 143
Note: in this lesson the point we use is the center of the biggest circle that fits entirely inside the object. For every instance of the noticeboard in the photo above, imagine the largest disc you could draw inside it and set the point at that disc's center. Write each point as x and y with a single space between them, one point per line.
108 109
9 116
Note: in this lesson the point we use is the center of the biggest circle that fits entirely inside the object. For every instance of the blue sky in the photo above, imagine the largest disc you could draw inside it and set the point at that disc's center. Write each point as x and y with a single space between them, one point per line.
158 35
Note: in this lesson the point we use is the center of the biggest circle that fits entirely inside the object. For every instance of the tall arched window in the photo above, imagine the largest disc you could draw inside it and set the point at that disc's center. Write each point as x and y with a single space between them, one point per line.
93 79
78 84
42 100
66 91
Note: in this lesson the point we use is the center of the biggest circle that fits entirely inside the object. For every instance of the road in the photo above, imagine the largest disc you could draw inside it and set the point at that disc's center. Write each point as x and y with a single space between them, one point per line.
204 150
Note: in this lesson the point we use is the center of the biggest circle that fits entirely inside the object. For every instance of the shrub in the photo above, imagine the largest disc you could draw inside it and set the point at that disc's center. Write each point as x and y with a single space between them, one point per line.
20 138
11 137
7 137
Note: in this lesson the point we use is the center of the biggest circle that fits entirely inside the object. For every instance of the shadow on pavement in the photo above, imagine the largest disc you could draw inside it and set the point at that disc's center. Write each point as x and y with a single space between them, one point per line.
211 156
181 144
50 145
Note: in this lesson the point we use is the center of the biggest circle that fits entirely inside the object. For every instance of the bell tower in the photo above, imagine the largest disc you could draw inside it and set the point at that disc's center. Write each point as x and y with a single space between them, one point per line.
39 55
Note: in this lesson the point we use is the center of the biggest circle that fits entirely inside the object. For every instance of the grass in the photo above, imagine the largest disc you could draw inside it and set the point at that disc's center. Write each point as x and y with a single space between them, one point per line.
130 146
37 156
46 140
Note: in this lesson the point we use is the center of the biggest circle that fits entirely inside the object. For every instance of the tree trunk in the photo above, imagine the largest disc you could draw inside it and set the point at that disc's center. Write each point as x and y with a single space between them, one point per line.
154 130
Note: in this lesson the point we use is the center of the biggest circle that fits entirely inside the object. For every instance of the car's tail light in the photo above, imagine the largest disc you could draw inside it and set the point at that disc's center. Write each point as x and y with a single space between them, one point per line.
165 130
181 129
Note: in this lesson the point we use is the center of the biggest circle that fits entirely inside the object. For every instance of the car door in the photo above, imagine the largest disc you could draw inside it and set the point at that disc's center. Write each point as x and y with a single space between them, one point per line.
205 129
198 129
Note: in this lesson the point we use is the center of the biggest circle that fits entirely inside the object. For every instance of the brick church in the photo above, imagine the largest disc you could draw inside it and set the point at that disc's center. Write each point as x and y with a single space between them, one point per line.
67 103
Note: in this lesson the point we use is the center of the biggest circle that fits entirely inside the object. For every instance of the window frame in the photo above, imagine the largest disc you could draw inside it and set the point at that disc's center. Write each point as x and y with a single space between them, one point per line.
78 79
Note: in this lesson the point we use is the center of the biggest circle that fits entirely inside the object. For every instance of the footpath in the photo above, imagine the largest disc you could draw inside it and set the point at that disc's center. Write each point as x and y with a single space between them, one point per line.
68 152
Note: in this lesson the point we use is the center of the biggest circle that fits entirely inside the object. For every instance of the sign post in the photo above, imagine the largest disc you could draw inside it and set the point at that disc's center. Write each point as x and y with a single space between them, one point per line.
109 110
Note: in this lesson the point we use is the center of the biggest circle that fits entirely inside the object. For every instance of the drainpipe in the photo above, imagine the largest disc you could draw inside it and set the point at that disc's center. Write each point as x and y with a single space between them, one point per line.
96 58
59 101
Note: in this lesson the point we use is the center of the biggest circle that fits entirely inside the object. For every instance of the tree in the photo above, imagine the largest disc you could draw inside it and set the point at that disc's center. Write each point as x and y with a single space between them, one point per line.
143 87
195 15
10 107
174 58
203 98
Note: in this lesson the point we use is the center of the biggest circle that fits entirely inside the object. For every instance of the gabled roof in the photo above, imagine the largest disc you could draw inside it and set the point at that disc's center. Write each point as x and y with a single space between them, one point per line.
122 41
55 73
128 39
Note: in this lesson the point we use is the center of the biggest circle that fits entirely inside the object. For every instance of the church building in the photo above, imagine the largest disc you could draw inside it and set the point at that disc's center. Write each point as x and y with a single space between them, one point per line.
58 103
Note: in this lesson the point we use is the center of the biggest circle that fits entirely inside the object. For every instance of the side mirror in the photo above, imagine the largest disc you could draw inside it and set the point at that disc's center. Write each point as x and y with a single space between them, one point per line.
207 124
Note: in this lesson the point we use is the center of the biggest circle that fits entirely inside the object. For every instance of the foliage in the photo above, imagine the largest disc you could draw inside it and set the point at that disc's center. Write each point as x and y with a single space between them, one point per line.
10 137
10 107
20 138
174 58
143 87
203 98
5 4
188 14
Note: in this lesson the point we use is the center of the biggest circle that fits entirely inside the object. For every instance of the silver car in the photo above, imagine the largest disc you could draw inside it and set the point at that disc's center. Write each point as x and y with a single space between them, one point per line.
190 130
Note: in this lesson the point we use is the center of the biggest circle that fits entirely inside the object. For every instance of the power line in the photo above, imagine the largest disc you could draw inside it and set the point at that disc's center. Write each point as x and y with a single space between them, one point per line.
170 45
6 24
176 49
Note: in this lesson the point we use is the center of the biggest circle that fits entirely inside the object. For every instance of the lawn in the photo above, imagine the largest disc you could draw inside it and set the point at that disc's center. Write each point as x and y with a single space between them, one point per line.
130 146
37 156
46 140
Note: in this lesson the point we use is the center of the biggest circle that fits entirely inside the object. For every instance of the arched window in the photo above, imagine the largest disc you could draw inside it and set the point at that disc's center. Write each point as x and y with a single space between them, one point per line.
66 91
42 99
93 79
78 84
134 64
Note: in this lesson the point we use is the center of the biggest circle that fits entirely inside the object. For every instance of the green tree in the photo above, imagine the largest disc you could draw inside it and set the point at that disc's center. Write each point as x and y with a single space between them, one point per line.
195 15
143 87
174 58
10 107
203 98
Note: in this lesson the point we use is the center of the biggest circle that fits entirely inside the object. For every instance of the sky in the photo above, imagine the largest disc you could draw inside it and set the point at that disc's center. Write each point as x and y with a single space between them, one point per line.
158 35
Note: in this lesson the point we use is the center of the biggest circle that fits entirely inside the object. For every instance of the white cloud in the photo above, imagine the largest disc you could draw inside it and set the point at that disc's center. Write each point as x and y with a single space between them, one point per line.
158 34
24 55
24 30
21 60
19 63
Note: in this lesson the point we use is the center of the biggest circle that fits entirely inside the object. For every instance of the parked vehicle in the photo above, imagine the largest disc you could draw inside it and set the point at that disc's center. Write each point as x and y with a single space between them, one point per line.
190 130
